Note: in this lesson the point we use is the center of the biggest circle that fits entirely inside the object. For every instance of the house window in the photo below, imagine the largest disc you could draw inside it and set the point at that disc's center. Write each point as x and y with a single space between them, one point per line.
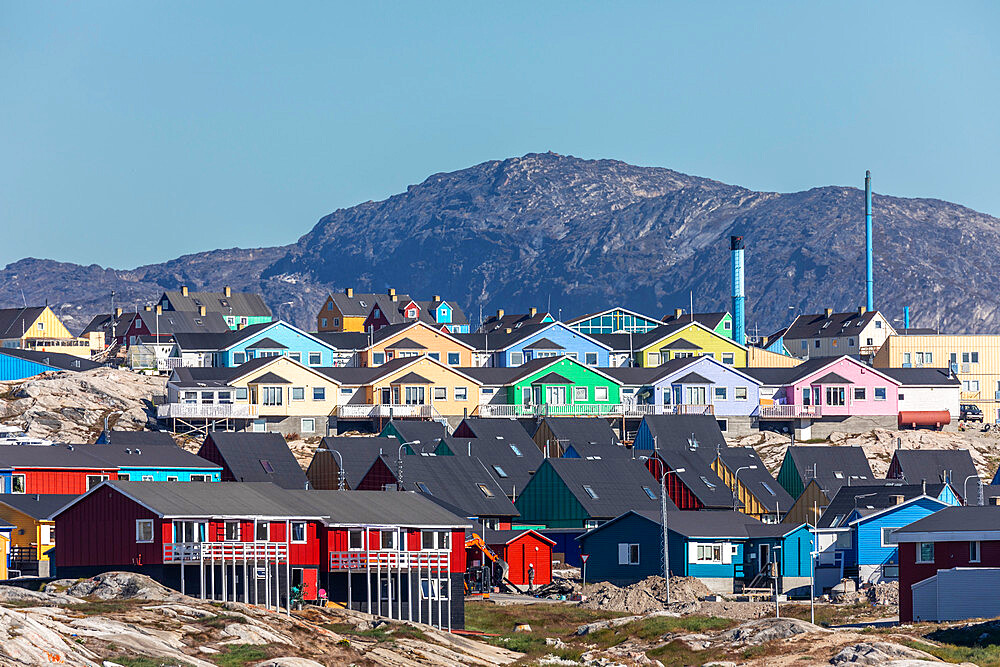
434 589
817 343
440 393
298 393
590 358
319 393
298 532
628 554
708 553
887 532
414 396
649 492
723 424
454 358
378 358
144 530
241 393
232 533
516 358
727 325
189 397
272 395
721 394
266 465
590 491
346 391
591 523
260 531
147 478
412 312
728 358
486 490
878 324
323 323
517 452
970 385
653 358
315 358
41 326
461 393
196 478
850 342
239 358
17 484
225 397
879 393
355 540
835 396
436 356
973 552
860 393
94 480
295 356
805 345
124 477
579 393
308 425
600 393
740 393
387 539
46 537
925 552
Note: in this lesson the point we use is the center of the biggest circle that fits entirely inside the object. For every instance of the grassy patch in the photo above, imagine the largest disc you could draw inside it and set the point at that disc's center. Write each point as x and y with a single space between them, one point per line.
222 620
651 629
830 614
553 619
105 606
237 655
129 661
679 653
985 656
978 643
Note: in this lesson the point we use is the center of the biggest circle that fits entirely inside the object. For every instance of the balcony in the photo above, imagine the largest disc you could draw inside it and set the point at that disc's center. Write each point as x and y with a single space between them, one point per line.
686 409
361 411
169 363
196 552
790 412
206 411
580 410
394 560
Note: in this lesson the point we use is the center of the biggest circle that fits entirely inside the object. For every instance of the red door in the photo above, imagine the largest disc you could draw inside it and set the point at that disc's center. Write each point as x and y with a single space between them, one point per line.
309 584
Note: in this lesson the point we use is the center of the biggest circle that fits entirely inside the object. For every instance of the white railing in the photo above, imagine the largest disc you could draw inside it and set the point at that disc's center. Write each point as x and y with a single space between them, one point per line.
169 363
789 411
360 560
177 552
214 410
686 409
502 410
360 411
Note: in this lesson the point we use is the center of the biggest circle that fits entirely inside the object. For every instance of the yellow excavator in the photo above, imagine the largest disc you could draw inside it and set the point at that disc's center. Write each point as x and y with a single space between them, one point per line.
480 579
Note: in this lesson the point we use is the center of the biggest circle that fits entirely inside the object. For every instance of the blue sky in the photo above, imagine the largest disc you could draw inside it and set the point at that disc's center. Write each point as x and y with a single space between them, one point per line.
135 132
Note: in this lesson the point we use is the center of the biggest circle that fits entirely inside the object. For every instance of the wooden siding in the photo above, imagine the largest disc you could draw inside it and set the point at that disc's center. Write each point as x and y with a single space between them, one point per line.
709 342
100 531
751 506
758 358
60 480
578 374
602 549
789 478
27 531
868 545
545 500
439 375
524 551
802 510
422 333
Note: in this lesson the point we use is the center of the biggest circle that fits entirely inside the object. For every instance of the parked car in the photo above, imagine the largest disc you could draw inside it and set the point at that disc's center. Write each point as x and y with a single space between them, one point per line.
970 413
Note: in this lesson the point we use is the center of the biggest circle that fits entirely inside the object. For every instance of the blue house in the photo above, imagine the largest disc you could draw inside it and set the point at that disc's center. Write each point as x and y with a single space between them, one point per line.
5 479
155 463
274 339
18 364
877 557
790 547
698 434
537 341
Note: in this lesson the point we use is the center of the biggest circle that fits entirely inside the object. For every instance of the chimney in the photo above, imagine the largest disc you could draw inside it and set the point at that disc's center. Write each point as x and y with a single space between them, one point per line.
201 310
678 312
395 298
739 296
869 250
532 312
862 310
509 330
349 292
906 317
391 291
228 291
118 312
436 298
923 486
499 313
184 290
828 312
895 500
159 310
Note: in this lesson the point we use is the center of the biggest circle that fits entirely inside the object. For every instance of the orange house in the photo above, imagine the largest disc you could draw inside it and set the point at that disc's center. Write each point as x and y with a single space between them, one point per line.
415 339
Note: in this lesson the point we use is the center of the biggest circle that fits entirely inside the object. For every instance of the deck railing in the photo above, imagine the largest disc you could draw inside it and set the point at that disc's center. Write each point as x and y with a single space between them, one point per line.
205 410
187 552
381 560
503 410
790 411
362 411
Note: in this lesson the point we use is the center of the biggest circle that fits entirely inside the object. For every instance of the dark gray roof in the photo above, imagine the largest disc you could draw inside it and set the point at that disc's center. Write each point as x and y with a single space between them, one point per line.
37 506
201 376
357 305
406 343
240 304
15 322
136 438
617 482
344 340
245 455
758 482
508 430
544 344
699 478
700 433
455 480
694 378
427 432
379 508
154 456
635 375
358 455
57 360
680 344
586 450
581 429
710 320
619 342
515 468
412 378
710 524
878 496
512 320
493 375
642 340
269 378
51 456
932 465
821 326
502 537
553 378
922 377
267 343
833 466
833 378
201 341
976 518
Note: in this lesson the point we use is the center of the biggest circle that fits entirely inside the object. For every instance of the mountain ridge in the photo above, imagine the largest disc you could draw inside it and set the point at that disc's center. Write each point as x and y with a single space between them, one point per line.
584 234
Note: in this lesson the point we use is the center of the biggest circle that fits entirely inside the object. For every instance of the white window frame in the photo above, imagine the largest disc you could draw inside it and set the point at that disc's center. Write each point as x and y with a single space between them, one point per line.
602 394
305 532
715 393
24 482
704 547
591 358
626 550
580 394
322 393
440 393
315 358
729 358
301 391
356 531
736 394
225 531
919 556
47 534
461 393
978 550
144 523
885 394
454 358
94 480
308 425
516 358
883 533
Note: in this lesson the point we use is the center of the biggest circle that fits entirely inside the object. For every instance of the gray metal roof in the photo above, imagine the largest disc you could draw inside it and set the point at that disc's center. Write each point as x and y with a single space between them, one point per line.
51 456
37 506
455 480
835 326
922 377
209 499
758 482
833 466
972 518
581 429
699 478
15 322
57 360
509 430
868 497
710 320
510 469
136 438
427 432
344 340
617 484
936 465
698 433
239 304
248 455
404 508
121 455
358 455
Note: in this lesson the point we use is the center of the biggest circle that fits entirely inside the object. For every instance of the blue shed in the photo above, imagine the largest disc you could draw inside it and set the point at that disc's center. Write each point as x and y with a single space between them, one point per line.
790 547
273 339
18 364
876 556
554 339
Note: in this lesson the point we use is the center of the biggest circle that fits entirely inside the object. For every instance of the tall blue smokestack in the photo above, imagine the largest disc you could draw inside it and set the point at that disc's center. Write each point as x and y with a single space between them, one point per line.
869 251
906 317
739 299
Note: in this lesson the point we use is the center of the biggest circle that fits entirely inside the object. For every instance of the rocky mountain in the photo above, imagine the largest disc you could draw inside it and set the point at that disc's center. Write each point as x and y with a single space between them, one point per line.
577 235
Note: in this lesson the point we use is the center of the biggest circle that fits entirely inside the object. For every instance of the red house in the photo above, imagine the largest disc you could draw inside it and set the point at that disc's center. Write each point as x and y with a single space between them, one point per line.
54 469
523 551
691 482
933 547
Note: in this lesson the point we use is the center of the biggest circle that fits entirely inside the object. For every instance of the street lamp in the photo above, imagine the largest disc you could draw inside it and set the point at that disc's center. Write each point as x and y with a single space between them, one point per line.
340 469
965 488
663 520
399 463
862 495
736 483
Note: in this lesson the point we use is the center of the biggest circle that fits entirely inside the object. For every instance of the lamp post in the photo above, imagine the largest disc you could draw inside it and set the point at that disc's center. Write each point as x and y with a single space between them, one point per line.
340 469
663 520
862 495
399 463
736 483
965 488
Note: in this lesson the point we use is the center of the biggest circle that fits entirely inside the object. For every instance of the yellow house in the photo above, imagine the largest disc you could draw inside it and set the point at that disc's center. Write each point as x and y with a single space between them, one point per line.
38 328
745 474
809 506
760 358
345 311
4 551
33 537
415 339
975 359
687 339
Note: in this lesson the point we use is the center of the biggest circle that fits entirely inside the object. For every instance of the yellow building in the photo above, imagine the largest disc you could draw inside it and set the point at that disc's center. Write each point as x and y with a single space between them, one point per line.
687 339
38 328
808 507
4 551
760 358
415 339
423 381
345 311
975 359
745 474
33 537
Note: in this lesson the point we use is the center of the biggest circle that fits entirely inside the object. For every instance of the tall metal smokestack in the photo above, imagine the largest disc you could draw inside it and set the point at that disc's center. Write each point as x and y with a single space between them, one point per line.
869 251
906 317
739 298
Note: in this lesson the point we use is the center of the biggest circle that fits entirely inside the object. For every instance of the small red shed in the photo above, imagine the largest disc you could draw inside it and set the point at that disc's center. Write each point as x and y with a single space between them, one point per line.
523 550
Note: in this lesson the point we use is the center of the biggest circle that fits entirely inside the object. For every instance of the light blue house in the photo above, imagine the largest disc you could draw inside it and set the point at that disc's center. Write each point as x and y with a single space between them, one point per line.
877 557
274 339
537 341
18 364
155 463
703 381
788 546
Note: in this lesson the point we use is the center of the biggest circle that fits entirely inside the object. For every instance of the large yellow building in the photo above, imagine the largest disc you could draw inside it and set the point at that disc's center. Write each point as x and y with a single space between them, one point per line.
38 328
687 339
974 358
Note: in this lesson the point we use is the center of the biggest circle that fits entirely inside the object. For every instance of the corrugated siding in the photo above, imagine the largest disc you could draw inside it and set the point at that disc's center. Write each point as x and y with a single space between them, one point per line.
602 547
377 477
60 480
869 533
100 531
788 477
751 506
547 501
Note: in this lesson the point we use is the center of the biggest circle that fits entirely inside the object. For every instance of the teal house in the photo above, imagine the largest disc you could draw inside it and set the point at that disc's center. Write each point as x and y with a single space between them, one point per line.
273 339
613 320
155 463
787 546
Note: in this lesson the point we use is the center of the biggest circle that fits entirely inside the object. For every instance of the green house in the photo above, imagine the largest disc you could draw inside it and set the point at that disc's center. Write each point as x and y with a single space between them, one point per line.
613 320
720 323
562 382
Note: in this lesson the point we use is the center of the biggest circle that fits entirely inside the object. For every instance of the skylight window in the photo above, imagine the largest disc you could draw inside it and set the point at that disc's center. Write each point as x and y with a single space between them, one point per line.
839 474
500 471
693 443
649 492
768 488
486 490
517 452
266 465
590 491
707 483
423 488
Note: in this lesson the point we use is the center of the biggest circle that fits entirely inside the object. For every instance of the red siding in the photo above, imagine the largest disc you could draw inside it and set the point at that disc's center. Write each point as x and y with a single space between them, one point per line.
678 492
377 477
100 530
60 480
947 555
528 550
211 453
458 551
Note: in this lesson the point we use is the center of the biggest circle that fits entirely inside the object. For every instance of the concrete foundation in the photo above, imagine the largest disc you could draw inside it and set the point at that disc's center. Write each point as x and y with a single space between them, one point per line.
794 586
823 428
736 425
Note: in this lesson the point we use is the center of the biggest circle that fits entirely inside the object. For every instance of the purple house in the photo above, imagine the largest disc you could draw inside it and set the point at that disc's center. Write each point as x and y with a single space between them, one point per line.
823 395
